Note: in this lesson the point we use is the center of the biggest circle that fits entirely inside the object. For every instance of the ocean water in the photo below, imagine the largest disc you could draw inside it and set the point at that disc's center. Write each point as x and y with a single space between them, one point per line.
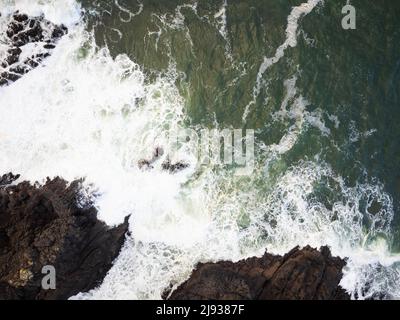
323 102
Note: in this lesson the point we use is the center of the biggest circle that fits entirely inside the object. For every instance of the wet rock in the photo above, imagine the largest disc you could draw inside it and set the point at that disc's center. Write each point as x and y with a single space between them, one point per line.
59 31
44 225
174 167
302 274
20 17
148 164
7 179
49 46
23 30
145 164
13 56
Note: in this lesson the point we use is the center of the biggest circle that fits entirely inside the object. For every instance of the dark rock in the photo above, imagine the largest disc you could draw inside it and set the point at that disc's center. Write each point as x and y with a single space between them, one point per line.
44 225
14 28
17 71
8 178
13 56
147 164
20 17
306 274
22 30
144 164
166 165
59 31
49 46
32 63
174 168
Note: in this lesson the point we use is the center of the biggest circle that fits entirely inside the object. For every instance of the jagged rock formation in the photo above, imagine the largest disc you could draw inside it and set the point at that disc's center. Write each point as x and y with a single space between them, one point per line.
7 179
50 225
23 30
302 274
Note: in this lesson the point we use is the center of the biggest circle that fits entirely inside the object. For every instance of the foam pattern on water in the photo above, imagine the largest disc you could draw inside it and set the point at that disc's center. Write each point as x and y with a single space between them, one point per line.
291 41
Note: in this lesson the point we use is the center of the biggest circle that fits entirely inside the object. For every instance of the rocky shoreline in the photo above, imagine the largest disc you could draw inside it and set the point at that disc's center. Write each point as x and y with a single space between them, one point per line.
23 30
44 226
51 225
302 274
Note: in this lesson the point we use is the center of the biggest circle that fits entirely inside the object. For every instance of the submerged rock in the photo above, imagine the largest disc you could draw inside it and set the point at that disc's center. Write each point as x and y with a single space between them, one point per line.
302 274
174 167
44 226
23 30
148 164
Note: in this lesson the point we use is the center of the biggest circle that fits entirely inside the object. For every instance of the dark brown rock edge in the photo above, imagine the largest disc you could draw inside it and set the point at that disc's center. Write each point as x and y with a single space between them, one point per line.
44 225
302 274
22 30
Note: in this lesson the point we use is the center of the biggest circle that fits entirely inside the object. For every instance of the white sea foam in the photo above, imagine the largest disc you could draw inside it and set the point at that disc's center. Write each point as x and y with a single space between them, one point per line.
85 114
167 22
222 24
290 41
125 11
293 107
291 35
61 11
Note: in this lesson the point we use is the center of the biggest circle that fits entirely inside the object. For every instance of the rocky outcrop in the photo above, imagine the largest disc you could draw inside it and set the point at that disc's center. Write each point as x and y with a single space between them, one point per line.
166 165
23 30
302 274
51 225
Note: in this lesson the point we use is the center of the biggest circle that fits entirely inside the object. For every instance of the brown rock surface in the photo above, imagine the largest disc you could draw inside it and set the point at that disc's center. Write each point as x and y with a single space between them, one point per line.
302 274
44 225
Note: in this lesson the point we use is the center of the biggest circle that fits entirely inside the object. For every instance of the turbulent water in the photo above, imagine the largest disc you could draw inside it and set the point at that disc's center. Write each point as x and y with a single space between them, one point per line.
323 102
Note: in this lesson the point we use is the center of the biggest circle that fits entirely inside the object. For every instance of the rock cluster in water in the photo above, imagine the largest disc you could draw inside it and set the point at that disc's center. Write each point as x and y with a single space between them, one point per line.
167 165
302 274
45 226
23 30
